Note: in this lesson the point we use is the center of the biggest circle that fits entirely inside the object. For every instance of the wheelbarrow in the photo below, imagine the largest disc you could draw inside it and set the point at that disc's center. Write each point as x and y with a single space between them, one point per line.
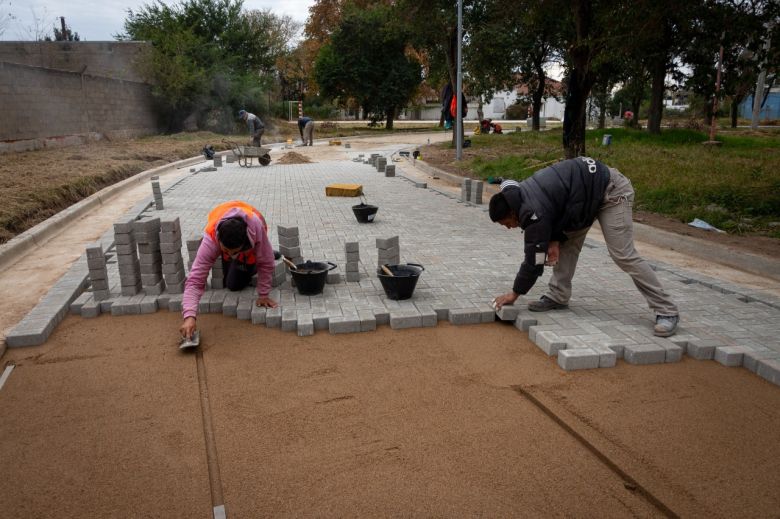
247 154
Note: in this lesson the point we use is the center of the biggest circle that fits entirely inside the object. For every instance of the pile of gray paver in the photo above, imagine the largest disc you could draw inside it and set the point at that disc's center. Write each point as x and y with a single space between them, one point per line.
468 259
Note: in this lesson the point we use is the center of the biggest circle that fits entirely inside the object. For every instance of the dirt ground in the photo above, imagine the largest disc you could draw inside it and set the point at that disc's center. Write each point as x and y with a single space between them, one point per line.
467 421
762 245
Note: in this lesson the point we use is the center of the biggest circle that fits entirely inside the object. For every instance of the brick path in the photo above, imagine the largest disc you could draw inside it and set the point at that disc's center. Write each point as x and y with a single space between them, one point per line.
468 261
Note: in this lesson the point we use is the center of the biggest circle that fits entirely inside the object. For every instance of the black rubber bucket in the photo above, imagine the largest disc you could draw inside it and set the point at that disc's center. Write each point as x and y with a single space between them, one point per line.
401 284
310 277
365 213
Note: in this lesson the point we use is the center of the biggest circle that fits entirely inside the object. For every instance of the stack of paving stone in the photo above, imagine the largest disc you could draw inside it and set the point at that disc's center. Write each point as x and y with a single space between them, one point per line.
127 257
390 170
98 274
477 187
193 244
217 274
158 198
381 164
217 161
465 190
389 251
230 158
290 244
280 274
172 260
147 236
352 249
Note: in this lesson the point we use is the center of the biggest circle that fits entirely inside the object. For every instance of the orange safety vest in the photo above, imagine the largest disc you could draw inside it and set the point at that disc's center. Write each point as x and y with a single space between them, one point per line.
216 214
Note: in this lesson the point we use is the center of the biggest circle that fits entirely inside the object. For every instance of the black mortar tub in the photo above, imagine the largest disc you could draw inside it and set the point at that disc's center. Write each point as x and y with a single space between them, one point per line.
365 213
310 277
401 284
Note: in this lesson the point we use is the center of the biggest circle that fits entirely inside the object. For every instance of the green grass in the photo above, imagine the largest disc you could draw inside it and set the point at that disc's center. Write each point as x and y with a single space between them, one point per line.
735 186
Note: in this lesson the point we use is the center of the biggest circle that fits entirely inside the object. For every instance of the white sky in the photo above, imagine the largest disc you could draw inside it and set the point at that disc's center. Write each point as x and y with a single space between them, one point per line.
100 20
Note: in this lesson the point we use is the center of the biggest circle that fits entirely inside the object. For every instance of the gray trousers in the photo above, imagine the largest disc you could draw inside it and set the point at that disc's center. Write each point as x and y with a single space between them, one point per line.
308 134
615 220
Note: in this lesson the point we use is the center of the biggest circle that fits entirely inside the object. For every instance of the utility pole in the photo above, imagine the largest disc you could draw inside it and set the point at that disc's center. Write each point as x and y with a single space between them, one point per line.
459 116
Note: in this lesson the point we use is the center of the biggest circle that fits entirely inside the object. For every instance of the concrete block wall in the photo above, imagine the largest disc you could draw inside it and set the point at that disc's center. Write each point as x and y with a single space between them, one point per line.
52 108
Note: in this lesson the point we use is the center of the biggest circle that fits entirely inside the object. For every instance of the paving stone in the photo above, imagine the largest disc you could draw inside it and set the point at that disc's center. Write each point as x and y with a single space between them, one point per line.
258 314
703 349
730 356
387 243
273 317
230 304
344 324
382 316
289 320
305 325
549 342
321 321
288 232
581 358
465 316
525 323
244 310
175 303
367 321
769 369
148 305
90 309
644 354
750 359
487 314
508 313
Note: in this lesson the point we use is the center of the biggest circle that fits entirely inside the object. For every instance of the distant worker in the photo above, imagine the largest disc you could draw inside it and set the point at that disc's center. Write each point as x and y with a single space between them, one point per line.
237 235
306 129
484 126
256 126
556 207
496 128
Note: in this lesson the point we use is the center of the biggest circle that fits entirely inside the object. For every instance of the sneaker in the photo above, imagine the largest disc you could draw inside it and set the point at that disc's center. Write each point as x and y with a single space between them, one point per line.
544 304
665 325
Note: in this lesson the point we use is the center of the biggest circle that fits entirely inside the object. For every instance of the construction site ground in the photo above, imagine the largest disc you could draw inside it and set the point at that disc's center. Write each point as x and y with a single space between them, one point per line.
109 419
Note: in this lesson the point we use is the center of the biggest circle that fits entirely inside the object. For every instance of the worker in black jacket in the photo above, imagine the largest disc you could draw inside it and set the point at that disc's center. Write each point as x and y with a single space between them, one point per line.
556 207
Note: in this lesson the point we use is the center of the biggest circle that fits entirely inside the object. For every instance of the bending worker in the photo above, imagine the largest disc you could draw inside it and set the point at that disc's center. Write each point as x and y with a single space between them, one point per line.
237 235
256 126
306 129
556 207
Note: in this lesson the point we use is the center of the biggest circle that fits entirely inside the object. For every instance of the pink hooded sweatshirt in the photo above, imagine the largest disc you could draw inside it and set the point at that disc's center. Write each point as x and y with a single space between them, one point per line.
209 253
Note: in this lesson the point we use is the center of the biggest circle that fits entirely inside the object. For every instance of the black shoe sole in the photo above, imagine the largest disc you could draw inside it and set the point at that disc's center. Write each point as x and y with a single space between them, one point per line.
547 309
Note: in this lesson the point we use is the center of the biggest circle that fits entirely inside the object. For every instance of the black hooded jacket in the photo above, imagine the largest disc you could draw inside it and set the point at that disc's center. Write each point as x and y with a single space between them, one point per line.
563 197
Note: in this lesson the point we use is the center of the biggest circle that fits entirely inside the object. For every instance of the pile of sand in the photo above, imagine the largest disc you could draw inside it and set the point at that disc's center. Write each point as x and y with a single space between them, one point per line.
292 157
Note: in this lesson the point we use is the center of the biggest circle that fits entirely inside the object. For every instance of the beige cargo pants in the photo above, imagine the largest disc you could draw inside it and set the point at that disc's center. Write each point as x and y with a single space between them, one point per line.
308 134
615 220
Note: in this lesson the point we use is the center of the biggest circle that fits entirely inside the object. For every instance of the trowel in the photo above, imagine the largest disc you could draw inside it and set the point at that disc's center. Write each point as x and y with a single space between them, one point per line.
192 342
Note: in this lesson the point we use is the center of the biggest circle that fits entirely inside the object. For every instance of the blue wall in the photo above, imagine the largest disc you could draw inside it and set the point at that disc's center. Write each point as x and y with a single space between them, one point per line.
771 109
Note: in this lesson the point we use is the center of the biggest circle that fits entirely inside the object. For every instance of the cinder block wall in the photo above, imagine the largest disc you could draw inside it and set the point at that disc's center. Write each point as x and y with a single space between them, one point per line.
50 107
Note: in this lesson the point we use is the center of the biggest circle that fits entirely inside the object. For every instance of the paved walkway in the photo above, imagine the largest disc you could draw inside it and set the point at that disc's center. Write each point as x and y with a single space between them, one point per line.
468 261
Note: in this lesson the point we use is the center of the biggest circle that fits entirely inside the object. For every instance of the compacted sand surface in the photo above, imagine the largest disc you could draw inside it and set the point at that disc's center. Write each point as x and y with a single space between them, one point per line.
107 419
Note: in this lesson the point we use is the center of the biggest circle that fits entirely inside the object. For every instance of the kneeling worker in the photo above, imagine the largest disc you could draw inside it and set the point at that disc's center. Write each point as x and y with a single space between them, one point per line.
237 235
556 207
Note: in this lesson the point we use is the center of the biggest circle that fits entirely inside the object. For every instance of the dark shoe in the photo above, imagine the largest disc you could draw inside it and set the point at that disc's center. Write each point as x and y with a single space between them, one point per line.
665 325
544 304
277 255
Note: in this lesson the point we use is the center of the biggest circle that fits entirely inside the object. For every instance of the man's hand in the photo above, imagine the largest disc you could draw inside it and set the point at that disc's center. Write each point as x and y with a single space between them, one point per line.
505 299
266 302
187 328
553 253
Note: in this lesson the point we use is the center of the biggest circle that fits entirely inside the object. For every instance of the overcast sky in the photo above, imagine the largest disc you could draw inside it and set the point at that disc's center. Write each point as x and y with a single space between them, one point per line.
99 20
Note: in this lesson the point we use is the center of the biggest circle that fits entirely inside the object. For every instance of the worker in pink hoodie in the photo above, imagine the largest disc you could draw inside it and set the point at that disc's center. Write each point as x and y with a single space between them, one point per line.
236 234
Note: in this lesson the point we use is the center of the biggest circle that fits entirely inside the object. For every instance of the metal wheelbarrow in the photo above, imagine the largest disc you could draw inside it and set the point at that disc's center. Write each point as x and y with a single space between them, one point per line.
247 154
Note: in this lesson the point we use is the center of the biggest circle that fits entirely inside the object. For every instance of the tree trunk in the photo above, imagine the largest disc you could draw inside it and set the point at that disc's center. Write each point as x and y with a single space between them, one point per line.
658 71
537 96
480 113
735 102
390 117
602 102
580 82
636 104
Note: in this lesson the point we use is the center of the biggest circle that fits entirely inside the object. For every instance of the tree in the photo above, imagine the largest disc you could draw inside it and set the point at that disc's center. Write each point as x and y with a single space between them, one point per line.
208 56
367 59
64 33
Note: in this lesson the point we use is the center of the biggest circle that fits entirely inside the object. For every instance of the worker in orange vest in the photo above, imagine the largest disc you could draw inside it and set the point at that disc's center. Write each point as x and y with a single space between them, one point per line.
236 234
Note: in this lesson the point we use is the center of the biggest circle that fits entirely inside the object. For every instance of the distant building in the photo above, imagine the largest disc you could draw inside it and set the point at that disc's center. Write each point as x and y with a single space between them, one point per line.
770 110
